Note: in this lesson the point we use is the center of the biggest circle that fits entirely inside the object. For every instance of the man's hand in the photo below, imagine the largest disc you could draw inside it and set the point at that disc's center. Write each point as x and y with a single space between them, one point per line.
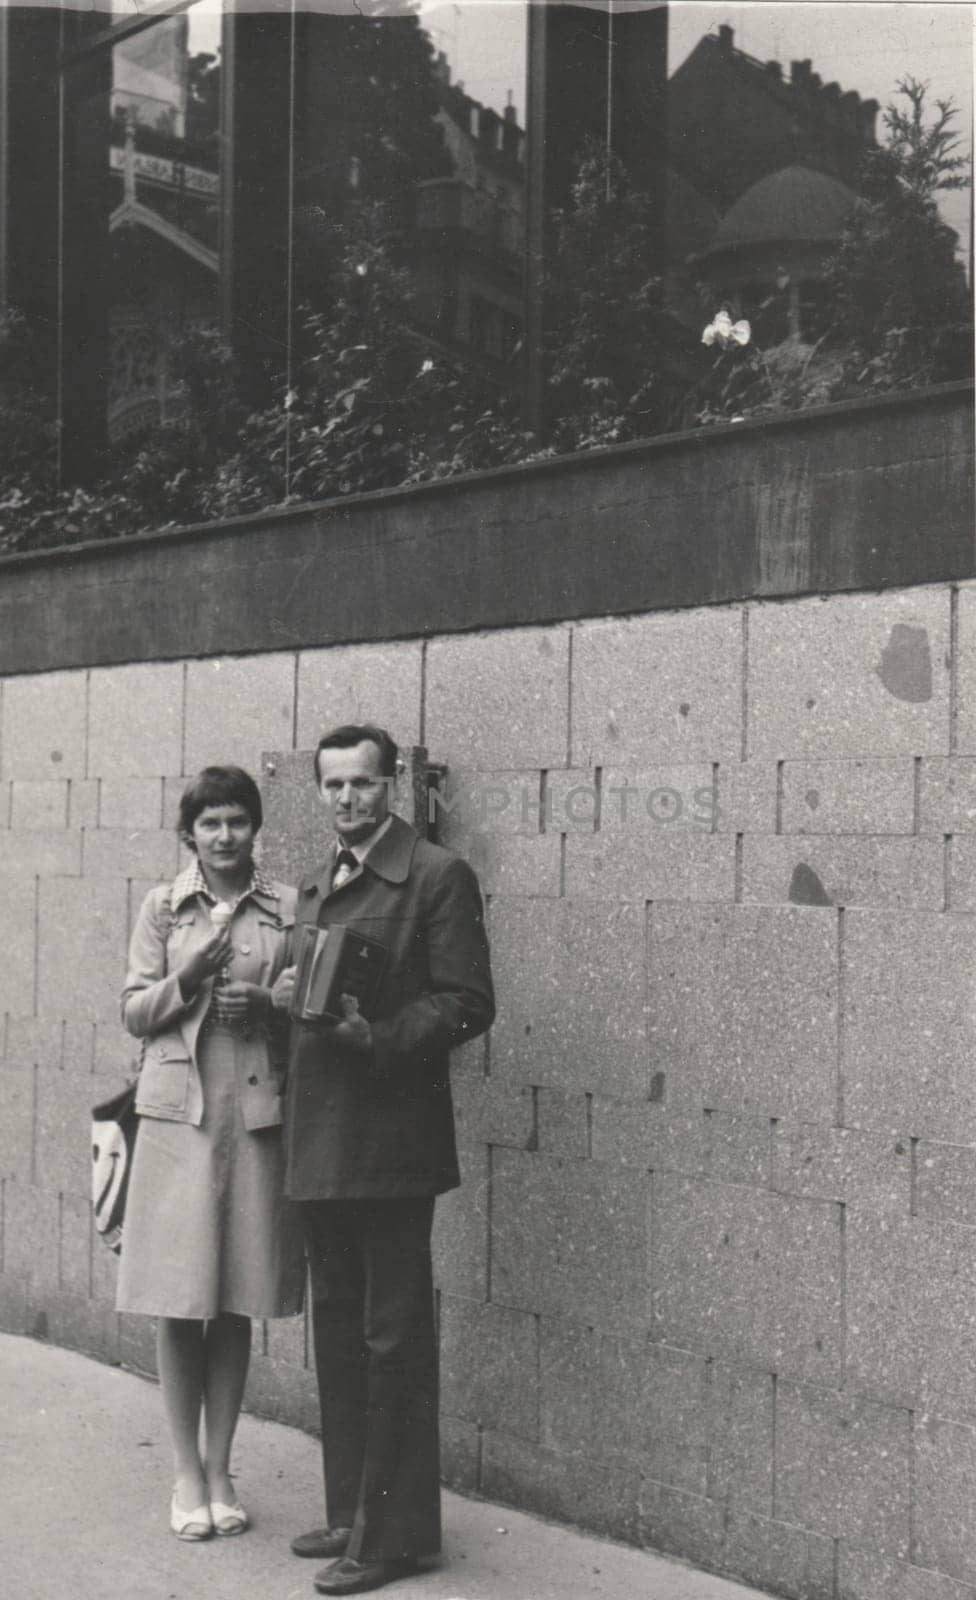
353 1030
284 989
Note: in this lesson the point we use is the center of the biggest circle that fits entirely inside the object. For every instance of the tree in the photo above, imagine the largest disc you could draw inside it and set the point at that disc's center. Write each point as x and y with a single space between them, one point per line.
926 155
899 292
620 363
367 109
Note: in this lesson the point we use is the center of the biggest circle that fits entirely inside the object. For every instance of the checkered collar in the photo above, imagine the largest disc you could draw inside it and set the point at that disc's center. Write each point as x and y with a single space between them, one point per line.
191 882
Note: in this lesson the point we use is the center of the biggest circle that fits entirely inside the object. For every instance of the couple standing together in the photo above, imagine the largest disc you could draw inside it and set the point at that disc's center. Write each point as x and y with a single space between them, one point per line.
262 1143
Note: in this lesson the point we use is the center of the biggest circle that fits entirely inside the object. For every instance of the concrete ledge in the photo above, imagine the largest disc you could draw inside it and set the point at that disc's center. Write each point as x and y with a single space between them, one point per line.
855 496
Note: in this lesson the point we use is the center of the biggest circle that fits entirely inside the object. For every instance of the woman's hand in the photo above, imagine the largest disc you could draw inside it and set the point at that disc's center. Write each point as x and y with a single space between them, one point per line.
241 1004
203 958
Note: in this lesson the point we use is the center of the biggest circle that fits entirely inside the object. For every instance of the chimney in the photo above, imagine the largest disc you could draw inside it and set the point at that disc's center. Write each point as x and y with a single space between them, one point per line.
726 38
849 104
491 129
800 73
867 113
774 69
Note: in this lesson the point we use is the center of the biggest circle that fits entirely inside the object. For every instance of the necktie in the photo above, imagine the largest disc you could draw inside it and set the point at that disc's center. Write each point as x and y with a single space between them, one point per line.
346 864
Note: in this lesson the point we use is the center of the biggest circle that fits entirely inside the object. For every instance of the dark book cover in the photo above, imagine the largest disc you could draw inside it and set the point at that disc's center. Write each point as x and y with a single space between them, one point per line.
333 961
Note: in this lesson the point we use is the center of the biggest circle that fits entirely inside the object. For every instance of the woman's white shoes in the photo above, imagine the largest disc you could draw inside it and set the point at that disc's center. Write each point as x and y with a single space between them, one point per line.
191 1525
206 1520
228 1520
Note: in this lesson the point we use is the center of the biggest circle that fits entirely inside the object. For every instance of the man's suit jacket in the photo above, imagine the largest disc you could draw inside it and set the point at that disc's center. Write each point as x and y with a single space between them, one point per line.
382 1125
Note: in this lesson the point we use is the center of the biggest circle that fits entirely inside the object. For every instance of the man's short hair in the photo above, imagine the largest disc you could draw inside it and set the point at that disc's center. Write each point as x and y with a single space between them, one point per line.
219 786
353 733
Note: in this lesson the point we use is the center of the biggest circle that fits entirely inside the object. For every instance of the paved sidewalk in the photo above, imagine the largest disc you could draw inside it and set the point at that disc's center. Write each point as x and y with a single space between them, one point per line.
84 1486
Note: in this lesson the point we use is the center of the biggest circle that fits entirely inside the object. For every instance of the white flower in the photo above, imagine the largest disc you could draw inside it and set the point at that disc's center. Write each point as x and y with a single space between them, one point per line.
427 365
726 332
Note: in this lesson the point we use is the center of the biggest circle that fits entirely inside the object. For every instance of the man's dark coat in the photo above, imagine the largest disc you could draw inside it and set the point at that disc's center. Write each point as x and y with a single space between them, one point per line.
382 1126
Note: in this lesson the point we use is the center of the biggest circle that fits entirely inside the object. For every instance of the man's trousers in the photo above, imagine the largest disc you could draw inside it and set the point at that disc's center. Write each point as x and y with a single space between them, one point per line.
376 1364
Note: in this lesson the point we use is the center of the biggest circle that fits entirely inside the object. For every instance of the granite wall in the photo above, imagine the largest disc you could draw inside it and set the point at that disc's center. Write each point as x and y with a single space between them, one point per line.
710 1282
862 495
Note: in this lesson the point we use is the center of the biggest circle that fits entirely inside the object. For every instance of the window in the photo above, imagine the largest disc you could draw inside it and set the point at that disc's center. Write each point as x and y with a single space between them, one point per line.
432 237
164 221
223 170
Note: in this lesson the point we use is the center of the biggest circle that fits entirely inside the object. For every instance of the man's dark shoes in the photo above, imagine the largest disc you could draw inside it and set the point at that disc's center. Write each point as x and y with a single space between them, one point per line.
322 1543
356 1577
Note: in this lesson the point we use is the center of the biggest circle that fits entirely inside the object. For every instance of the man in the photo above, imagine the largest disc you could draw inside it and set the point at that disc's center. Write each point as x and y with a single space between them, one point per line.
370 1141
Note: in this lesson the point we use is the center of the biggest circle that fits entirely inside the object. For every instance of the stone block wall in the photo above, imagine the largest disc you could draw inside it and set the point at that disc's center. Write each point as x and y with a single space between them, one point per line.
710 1282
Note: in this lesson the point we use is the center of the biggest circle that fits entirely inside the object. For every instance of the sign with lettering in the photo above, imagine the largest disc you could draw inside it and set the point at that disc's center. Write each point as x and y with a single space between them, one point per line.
168 174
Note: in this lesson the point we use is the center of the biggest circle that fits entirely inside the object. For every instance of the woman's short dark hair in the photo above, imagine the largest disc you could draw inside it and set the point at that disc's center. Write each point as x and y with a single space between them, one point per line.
353 733
219 786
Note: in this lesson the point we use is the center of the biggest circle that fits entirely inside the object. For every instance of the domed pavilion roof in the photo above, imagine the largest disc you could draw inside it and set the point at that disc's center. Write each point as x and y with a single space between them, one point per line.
789 206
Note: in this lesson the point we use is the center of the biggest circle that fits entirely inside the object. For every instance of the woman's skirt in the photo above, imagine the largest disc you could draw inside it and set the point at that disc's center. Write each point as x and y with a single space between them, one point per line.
207 1228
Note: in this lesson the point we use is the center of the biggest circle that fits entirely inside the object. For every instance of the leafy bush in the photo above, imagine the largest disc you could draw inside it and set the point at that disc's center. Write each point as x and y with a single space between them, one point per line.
371 403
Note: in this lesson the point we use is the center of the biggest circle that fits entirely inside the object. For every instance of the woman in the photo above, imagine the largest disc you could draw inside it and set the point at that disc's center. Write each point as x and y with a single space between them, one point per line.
209 1240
